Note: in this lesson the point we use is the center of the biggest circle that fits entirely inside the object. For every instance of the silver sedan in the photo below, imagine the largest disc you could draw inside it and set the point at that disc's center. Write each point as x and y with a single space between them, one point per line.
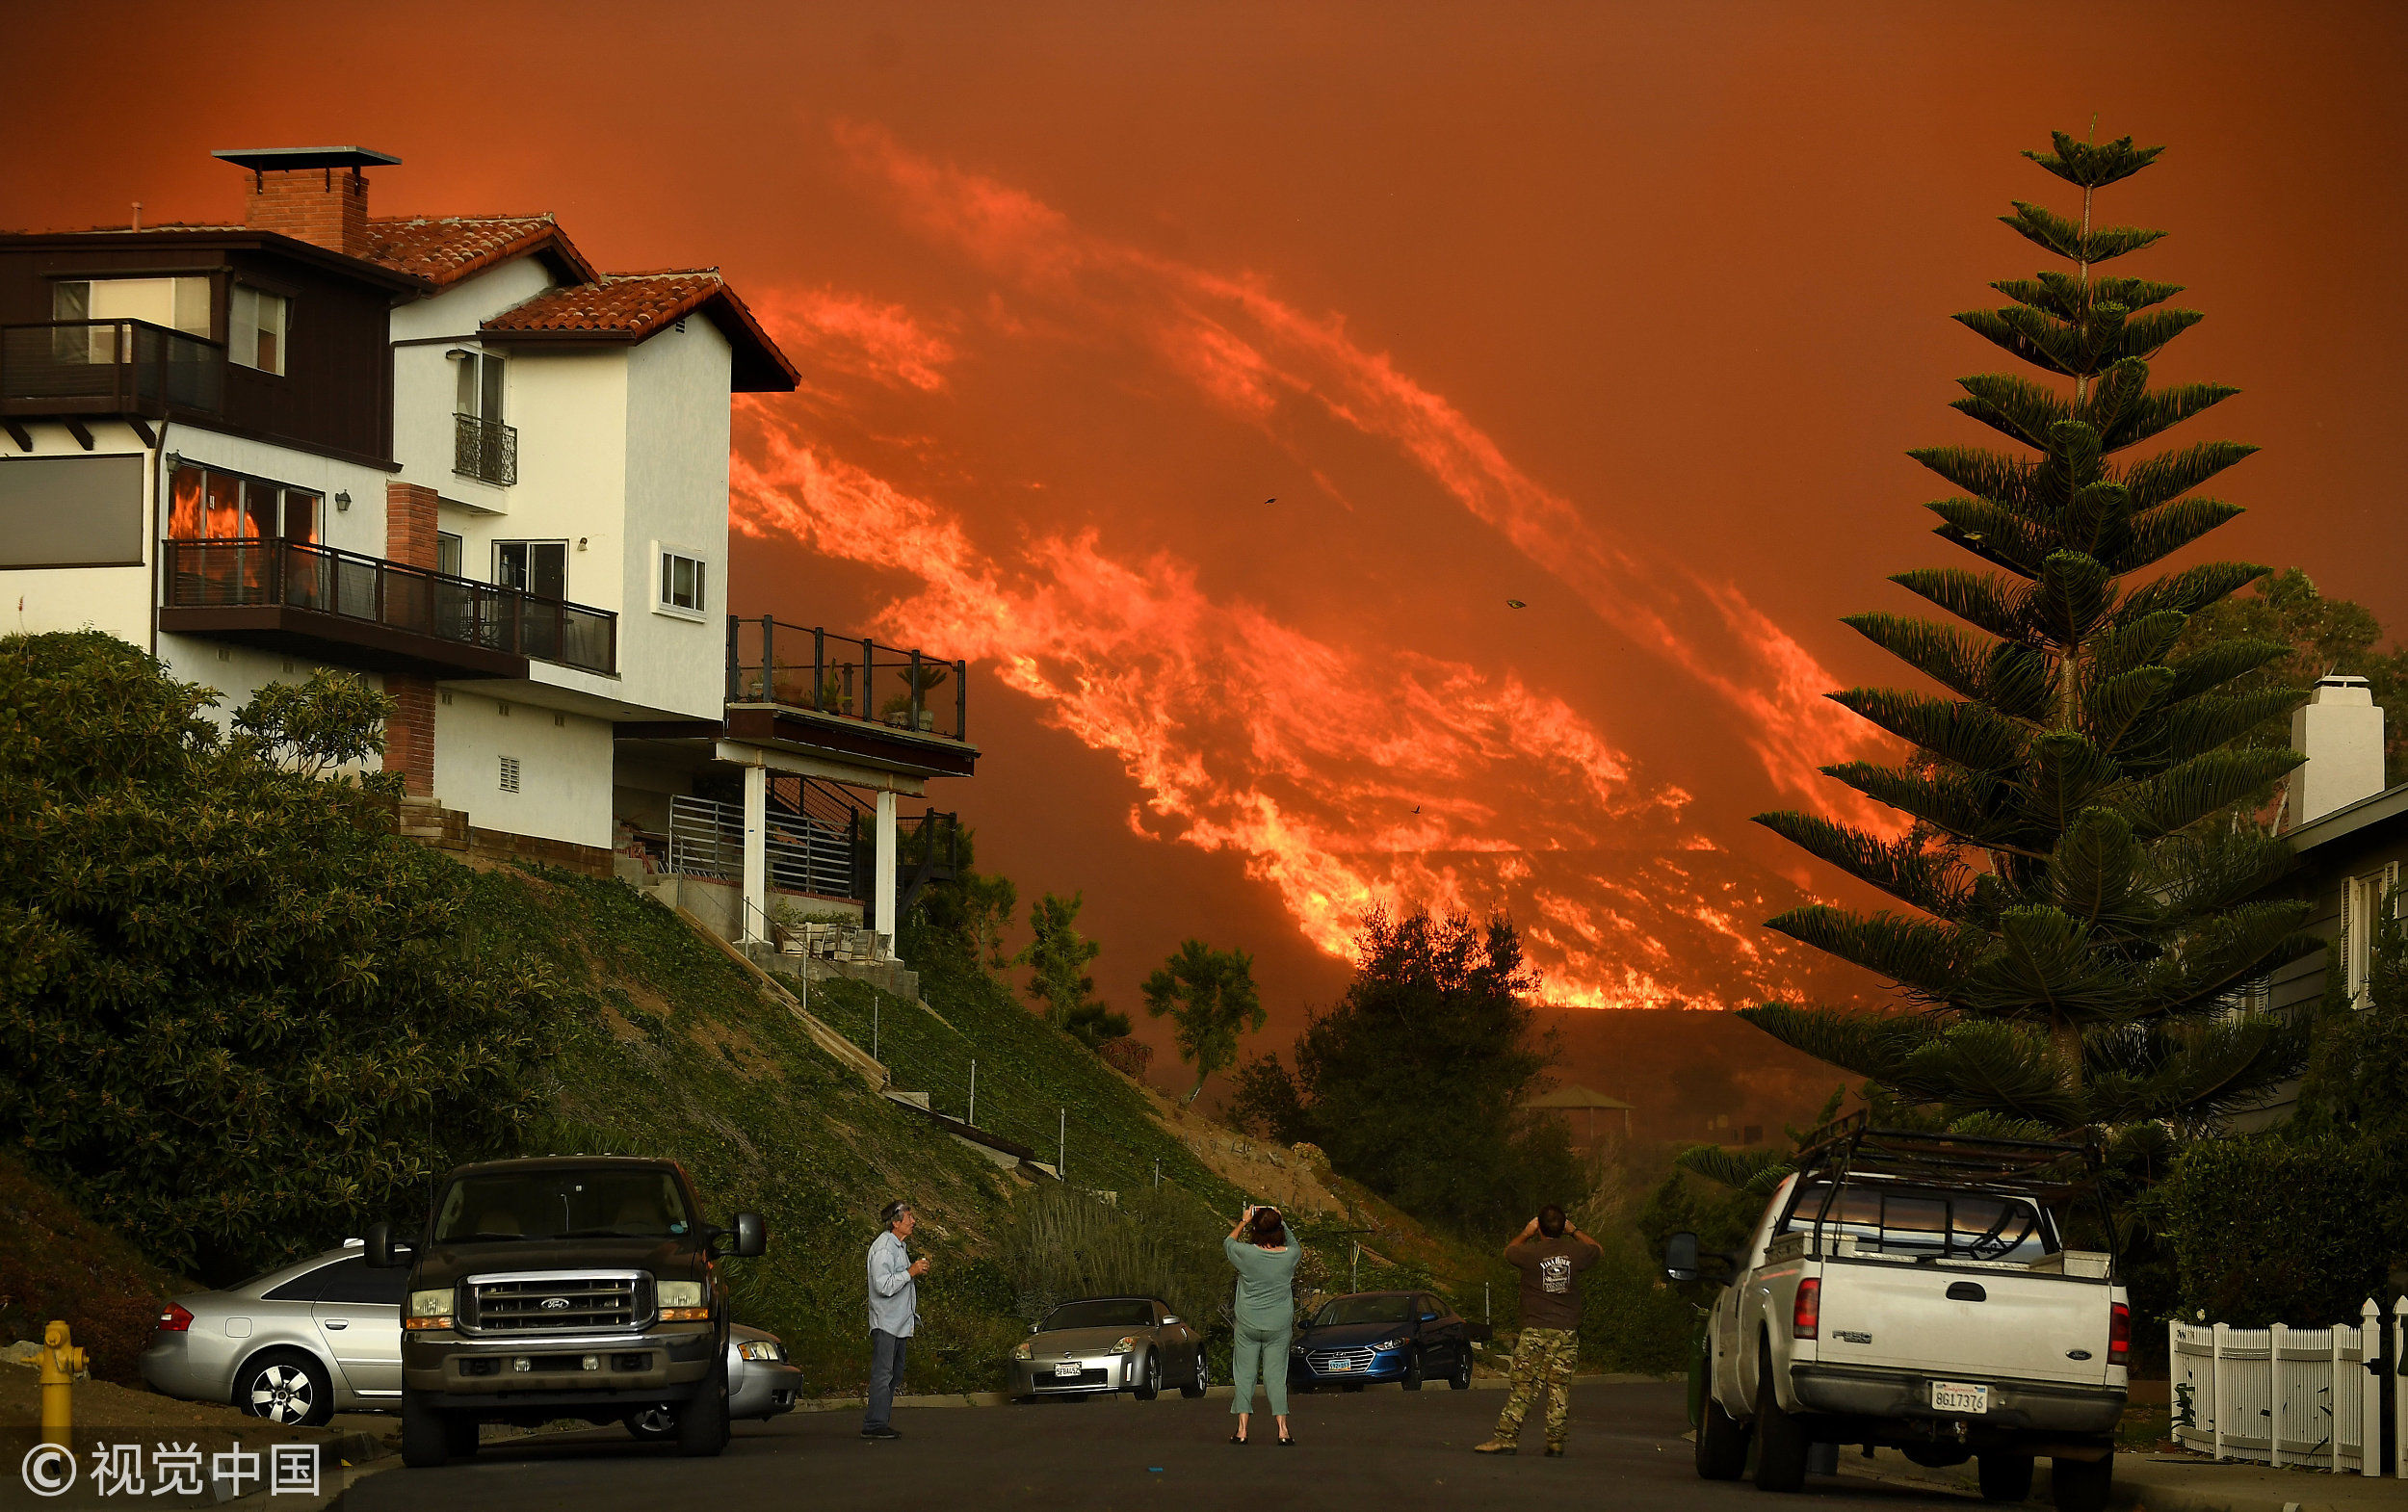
295 1346
1132 1344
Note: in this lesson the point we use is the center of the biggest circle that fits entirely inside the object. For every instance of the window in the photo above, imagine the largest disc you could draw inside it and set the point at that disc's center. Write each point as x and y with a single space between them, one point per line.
480 384
509 774
177 303
353 1280
447 553
681 584
255 331
536 566
71 511
2363 903
204 504
483 447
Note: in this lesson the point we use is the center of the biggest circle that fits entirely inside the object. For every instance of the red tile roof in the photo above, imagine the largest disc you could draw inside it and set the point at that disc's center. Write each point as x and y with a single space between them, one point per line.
444 249
633 306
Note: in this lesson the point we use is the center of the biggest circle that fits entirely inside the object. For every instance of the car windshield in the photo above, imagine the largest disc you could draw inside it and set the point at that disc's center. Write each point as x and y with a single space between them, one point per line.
1935 1221
557 1205
1366 1309
1099 1315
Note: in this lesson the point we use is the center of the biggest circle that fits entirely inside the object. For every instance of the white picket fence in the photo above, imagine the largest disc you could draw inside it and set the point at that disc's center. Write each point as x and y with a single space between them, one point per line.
2286 1396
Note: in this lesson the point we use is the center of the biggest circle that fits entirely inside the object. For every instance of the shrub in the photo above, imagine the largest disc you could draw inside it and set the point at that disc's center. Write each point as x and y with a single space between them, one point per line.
237 1015
2284 1228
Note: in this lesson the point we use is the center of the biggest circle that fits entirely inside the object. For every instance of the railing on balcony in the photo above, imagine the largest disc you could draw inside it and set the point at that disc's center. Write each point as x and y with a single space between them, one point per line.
108 367
485 450
227 574
854 678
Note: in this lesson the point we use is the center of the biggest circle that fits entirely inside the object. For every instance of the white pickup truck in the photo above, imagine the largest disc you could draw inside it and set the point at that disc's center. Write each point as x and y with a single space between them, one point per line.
1913 1289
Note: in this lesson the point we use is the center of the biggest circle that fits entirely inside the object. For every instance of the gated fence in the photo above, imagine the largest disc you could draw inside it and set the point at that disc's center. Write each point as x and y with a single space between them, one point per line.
2282 1395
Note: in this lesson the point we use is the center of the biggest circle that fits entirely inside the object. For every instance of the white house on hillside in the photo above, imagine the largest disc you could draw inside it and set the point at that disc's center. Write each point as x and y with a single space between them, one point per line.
449 454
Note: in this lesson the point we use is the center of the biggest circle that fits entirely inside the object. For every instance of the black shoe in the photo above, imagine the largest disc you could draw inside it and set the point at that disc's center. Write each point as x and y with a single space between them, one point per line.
882 1431
1555 1452
1288 1442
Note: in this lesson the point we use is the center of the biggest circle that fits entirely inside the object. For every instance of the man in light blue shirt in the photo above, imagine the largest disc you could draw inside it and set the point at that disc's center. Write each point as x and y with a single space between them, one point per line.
894 1315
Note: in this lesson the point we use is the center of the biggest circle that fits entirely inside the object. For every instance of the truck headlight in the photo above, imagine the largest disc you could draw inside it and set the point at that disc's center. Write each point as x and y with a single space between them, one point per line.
681 1302
761 1349
428 1310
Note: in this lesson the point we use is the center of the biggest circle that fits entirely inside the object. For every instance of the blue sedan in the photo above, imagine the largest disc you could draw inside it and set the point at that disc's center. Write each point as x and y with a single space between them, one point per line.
1404 1336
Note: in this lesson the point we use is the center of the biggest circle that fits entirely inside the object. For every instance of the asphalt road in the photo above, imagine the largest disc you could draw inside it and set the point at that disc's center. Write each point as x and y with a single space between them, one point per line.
1381 1449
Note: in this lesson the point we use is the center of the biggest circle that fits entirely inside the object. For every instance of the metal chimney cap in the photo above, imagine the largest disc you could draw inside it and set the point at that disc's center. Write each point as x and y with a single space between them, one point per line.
275 159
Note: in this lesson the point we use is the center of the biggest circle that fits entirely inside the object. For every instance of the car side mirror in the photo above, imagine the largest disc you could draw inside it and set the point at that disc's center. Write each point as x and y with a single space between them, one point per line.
1680 1257
752 1236
1032 1328
1167 1320
1429 1318
382 1252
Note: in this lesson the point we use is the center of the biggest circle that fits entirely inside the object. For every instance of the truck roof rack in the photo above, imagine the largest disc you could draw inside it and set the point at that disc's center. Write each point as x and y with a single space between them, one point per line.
2041 1167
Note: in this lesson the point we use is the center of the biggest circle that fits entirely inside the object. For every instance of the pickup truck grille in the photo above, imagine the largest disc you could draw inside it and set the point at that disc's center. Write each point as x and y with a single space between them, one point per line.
560 1302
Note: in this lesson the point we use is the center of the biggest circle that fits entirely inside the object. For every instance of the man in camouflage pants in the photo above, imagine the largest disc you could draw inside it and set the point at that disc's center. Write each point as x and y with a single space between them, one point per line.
1551 1254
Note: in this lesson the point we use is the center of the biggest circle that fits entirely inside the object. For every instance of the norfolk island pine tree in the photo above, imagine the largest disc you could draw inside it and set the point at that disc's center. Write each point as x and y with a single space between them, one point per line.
2082 865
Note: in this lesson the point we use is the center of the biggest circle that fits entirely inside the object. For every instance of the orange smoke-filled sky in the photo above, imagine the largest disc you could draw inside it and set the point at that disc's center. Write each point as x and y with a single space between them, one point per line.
1213 377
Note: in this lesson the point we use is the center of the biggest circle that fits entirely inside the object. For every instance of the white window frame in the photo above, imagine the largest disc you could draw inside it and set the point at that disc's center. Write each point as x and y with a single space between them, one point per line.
243 327
663 554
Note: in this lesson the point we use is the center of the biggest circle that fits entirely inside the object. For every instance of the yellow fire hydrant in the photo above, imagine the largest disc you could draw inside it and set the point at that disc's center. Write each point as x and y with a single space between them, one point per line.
60 1362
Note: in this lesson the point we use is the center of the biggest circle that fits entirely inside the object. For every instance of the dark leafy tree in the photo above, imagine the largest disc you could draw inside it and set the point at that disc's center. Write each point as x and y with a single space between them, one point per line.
1057 956
967 914
237 1015
2326 635
1414 1083
1211 999
2085 904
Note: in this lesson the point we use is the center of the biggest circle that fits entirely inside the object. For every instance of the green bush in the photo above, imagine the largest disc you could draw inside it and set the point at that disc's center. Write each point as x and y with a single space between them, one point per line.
2284 1228
237 1016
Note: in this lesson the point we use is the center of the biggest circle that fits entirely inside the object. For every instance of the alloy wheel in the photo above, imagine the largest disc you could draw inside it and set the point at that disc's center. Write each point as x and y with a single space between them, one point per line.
283 1393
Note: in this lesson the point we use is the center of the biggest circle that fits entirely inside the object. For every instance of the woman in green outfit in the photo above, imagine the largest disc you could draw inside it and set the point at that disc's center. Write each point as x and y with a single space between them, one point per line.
1265 1257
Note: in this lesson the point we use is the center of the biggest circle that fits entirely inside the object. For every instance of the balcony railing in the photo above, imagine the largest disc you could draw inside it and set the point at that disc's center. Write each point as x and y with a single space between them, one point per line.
109 368
229 573
485 450
856 679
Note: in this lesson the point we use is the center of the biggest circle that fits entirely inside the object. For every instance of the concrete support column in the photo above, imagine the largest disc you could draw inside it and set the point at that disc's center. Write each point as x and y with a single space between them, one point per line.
883 879
754 924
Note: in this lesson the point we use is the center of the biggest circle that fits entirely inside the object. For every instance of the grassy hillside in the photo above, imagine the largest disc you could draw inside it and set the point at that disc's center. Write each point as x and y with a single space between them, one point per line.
57 1263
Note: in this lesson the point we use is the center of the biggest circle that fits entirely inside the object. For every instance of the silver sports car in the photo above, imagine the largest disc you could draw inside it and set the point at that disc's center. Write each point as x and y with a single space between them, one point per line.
1108 1345
295 1346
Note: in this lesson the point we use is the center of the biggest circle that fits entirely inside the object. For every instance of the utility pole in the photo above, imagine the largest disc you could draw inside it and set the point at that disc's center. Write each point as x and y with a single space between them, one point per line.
874 1025
974 1091
1061 1146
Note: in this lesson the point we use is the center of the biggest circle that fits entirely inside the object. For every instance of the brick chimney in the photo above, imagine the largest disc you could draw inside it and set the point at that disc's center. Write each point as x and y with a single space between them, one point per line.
315 195
2340 730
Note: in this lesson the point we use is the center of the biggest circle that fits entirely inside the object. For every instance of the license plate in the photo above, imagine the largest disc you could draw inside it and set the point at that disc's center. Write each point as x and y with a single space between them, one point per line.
1336 1365
1955 1396
1069 1371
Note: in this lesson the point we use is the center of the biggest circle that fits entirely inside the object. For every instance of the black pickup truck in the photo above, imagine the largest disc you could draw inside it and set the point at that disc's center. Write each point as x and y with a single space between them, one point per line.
562 1286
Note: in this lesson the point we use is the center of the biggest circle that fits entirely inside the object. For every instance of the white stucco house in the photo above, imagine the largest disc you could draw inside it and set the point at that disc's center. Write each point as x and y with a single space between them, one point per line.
449 454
